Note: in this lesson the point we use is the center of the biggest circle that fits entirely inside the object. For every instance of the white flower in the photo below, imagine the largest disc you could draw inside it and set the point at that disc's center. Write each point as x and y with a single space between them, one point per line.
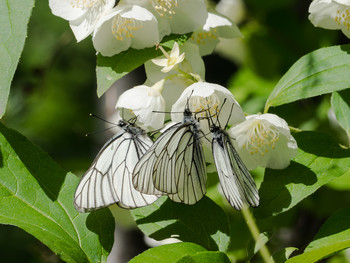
331 14
171 60
123 27
233 9
176 83
264 140
216 26
82 15
202 96
141 101
181 16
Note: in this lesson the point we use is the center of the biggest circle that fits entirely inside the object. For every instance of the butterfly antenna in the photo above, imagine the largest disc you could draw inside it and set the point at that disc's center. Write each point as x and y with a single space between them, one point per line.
229 117
218 112
209 117
93 115
133 120
157 111
188 100
95 132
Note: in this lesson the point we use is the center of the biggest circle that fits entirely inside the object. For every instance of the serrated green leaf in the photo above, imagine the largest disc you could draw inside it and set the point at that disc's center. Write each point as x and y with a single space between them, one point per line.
205 257
334 235
254 247
282 255
37 196
14 17
110 69
341 105
319 160
204 223
319 72
168 253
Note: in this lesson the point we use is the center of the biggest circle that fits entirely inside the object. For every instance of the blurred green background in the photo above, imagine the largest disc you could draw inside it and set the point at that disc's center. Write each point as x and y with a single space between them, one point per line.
54 90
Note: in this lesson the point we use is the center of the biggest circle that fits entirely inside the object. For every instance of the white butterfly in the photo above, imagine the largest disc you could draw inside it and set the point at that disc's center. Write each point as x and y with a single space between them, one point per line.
236 182
109 178
175 164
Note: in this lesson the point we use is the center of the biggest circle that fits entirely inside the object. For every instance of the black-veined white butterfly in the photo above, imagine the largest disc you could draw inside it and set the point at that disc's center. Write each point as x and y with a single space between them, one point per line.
175 164
235 179
109 178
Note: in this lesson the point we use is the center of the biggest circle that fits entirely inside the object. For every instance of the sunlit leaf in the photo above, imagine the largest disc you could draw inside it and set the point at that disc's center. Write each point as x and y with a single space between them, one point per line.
333 236
14 17
320 159
341 106
206 257
168 253
319 72
282 255
204 223
254 247
37 196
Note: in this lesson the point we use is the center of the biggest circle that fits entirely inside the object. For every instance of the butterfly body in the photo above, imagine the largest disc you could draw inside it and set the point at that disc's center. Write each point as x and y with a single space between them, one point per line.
109 178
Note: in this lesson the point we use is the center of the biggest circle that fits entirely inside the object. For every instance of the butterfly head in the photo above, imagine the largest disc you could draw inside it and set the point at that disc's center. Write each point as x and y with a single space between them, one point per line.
122 123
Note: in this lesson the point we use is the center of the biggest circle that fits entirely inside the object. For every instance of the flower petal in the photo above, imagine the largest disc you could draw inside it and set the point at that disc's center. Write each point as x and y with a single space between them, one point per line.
323 13
142 101
203 95
208 37
124 27
66 9
264 140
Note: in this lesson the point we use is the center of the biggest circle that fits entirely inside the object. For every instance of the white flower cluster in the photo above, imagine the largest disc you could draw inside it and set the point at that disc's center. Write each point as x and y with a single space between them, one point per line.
175 84
116 26
261 140
331 14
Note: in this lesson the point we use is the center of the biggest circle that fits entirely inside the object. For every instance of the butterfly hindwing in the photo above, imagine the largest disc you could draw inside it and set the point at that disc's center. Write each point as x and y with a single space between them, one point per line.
174 165
109 178
235 180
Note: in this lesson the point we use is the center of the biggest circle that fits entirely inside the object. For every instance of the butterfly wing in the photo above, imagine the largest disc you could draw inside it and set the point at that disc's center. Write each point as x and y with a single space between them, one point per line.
108 180
236 182
144 169
174 165
188 170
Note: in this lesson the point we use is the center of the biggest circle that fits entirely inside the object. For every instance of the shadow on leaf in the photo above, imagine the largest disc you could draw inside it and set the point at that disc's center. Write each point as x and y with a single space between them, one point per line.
40 165
320 144
274 195
191 223
93 224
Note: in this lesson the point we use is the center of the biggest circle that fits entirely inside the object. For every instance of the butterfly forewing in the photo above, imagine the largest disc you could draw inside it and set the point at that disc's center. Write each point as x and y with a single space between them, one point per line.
175 164
109 178
191 183
143 172
235 180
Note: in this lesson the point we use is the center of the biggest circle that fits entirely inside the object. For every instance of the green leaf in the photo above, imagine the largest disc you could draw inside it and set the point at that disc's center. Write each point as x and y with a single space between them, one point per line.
254 247
319 72
110 69
168 253
282 255
341 106
319 160
14 17
341 183
333 236
37 196
205 257
204 223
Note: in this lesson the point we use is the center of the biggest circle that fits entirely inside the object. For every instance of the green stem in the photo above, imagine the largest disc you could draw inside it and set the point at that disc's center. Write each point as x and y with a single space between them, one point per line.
256 234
